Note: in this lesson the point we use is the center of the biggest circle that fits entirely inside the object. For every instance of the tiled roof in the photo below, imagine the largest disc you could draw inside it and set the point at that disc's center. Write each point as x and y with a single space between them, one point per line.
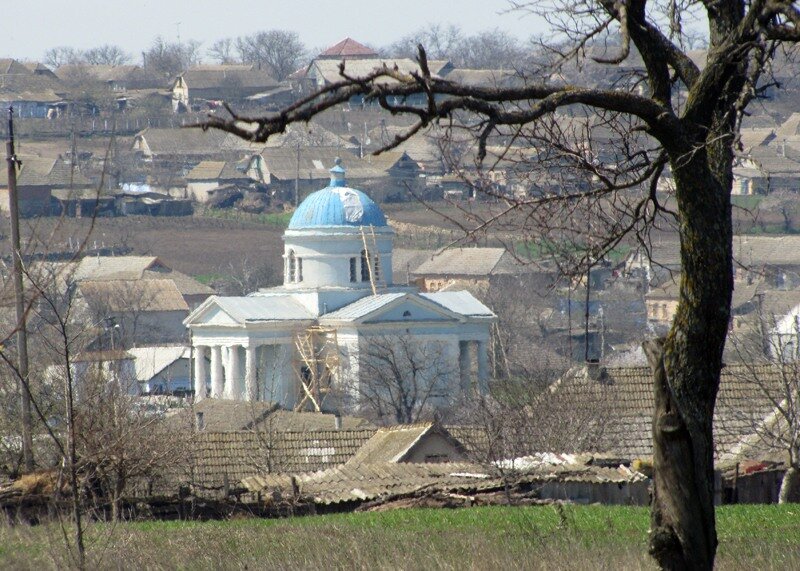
462 262
182 141
348 47
55 173
238 455
220 415
113 267
623 400
328 69
132 295
216 77
315 162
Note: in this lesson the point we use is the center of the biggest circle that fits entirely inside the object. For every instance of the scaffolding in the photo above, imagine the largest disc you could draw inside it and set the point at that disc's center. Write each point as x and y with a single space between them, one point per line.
316 365
373 260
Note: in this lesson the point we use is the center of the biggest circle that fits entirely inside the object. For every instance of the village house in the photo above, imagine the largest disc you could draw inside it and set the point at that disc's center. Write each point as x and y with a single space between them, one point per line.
39 182
210 85
302 342
31 89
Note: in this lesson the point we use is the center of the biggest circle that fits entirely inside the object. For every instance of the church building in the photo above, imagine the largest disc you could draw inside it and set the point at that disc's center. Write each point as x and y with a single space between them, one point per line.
310 343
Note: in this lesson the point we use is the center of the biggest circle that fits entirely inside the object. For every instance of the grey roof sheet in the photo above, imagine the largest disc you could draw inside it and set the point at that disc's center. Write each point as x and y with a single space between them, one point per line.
390 444
363 306
226 76
36 171
150 361
364 482
462 262
461 302
263 308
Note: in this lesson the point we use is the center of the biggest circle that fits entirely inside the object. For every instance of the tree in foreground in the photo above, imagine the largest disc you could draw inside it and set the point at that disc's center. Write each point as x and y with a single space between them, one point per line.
672 114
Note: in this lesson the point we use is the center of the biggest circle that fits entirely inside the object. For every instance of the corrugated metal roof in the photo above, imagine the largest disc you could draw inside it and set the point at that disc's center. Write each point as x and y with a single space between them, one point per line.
150 361
363 306
461 302
263 308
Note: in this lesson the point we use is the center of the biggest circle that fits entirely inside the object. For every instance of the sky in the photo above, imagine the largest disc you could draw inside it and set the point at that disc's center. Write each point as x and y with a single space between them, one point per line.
30 28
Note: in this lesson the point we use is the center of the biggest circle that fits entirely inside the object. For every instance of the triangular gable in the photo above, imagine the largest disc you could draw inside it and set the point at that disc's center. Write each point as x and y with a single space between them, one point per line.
408 307
211 313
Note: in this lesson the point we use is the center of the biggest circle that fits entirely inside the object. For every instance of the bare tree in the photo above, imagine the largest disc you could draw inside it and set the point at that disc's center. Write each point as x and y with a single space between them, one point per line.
171 58
279 51
107 54
671 113
441 41
402 379
773 379
222 51
62 55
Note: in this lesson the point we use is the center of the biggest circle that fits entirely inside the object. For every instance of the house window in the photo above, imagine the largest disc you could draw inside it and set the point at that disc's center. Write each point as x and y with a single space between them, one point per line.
299 269
292 265
364 266
353 269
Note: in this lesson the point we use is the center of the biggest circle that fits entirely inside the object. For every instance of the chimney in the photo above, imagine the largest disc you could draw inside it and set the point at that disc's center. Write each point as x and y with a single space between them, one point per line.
337 421
596 372
199 421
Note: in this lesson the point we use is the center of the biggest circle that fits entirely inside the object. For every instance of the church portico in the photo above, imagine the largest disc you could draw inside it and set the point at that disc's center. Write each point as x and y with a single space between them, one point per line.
300 343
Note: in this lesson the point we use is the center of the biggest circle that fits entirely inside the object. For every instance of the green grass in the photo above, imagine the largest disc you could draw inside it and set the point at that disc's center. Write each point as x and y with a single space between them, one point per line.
206 279
276 219
542 537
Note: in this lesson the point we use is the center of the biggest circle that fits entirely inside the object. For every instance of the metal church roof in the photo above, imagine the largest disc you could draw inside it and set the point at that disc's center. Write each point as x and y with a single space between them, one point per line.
337 205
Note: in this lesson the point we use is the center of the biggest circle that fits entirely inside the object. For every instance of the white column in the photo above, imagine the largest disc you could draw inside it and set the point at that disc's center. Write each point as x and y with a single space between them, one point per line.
464 365
483 367
200 373
217 377
250 370
233 380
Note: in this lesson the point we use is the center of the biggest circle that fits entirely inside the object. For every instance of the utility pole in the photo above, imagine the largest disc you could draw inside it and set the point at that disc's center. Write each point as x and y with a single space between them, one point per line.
22 334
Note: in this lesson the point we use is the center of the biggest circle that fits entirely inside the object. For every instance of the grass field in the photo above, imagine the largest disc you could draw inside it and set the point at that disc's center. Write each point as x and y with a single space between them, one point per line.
543 537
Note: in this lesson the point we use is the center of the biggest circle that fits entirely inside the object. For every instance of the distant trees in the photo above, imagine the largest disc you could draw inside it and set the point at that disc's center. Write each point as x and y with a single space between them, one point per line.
171 58
490 49
107 54
279 51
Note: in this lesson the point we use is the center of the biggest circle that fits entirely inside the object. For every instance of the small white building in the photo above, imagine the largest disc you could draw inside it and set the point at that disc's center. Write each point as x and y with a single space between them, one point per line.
315 336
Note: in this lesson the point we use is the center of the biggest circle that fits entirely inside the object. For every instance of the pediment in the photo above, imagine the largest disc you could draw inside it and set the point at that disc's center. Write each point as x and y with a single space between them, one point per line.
410 308
210 313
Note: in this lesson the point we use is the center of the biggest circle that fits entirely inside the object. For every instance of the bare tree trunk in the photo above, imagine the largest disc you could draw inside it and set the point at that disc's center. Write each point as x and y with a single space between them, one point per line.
790 486
686 368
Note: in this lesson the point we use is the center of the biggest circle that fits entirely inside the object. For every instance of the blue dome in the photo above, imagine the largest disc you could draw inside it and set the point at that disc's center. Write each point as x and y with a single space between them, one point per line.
337 205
